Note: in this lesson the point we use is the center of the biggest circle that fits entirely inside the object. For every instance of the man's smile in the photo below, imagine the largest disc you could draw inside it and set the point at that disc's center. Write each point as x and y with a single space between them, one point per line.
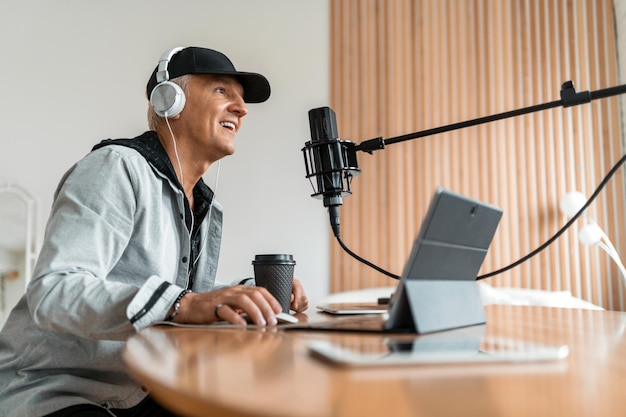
229 125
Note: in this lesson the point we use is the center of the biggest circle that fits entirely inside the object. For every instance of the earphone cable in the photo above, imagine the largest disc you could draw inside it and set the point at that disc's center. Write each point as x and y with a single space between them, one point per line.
208 226
217 176
180 168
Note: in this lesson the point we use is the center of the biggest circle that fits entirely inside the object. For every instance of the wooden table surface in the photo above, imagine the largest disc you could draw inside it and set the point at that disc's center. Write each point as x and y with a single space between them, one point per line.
212 371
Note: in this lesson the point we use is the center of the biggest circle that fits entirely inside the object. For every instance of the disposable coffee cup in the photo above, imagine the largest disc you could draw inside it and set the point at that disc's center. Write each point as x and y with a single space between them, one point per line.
275 273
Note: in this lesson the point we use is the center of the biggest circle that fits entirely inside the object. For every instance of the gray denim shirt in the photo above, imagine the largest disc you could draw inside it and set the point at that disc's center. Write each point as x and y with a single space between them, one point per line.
115 256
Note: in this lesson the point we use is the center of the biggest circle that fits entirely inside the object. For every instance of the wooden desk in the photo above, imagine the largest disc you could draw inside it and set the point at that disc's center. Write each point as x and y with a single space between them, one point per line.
249 372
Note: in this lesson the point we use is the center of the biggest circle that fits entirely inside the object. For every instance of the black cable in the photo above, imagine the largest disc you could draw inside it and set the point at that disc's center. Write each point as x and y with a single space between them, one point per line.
366 262
548 242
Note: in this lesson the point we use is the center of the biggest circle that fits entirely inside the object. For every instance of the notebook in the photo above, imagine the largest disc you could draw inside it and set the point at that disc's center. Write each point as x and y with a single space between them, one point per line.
439 274
353 308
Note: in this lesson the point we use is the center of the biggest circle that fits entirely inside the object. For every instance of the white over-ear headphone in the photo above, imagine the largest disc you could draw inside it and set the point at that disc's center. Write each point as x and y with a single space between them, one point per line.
167 98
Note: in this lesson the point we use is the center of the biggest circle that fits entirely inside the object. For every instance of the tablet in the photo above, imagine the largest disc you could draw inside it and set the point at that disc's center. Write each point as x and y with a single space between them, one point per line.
390 351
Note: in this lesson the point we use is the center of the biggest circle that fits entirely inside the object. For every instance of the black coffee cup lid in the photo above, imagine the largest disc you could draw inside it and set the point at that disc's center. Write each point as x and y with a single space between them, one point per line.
273 259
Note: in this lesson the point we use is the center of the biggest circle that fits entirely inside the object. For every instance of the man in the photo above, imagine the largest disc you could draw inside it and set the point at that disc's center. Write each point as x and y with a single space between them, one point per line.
133 238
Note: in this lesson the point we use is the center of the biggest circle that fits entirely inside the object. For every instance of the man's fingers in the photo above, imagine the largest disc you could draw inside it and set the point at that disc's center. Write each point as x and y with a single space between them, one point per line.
260 306
227 313
299 301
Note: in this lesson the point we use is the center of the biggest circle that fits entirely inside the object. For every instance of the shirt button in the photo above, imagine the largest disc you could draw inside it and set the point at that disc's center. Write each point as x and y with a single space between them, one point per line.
184 259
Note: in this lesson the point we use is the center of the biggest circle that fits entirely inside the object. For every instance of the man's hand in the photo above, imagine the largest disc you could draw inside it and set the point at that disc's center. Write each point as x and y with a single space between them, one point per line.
229 304
299 300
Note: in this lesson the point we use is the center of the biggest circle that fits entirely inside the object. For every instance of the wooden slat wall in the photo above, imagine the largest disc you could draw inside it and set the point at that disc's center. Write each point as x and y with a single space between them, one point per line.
401 66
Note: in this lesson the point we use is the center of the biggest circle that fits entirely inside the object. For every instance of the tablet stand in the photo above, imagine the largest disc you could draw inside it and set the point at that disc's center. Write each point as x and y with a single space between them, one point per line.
442 305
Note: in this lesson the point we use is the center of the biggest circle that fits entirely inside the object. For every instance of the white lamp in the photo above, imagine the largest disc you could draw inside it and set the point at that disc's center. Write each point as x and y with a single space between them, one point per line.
591 234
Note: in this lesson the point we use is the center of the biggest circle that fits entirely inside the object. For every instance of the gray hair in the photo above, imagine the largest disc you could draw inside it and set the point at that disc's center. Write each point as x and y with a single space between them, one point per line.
154 120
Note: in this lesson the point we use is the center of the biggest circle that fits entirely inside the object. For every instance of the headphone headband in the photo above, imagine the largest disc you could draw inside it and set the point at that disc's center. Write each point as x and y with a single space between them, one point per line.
162 73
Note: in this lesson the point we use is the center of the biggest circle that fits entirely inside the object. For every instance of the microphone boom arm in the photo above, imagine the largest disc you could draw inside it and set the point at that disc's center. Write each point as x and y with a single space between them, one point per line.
569 97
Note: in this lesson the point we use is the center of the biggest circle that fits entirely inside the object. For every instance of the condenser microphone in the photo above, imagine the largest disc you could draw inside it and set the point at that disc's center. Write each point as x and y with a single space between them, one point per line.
330 162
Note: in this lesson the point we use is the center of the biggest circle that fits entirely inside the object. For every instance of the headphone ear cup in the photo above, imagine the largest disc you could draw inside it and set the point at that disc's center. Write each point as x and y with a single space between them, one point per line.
167 99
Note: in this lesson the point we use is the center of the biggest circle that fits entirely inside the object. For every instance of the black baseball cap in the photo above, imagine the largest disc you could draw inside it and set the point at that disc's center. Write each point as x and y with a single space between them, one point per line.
195 60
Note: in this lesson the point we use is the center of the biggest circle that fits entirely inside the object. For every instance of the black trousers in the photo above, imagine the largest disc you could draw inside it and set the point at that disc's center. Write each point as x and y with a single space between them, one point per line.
147 408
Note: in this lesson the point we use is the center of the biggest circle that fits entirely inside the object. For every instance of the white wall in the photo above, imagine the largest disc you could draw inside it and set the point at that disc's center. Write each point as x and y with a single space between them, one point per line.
74 72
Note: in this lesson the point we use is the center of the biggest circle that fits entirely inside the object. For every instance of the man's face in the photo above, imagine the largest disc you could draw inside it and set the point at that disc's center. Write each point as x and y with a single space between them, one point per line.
212 115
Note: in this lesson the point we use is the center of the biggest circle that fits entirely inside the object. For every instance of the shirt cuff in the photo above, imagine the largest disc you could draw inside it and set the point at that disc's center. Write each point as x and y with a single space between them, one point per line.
152 302
248 282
